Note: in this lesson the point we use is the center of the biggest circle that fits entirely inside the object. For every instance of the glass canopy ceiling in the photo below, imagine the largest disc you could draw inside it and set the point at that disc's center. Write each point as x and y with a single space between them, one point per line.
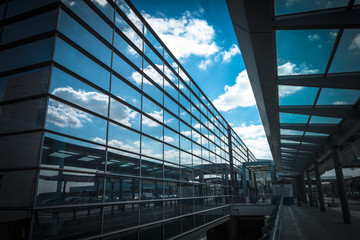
304 66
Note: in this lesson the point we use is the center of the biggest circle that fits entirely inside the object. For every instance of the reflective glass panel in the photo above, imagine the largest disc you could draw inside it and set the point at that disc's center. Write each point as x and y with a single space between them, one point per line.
123 138
312 49
287 7
124 115
126 71
68 120
331 96
125 92
121 189
347 54
123 163
20 6
151 148
171 154
60 187
73 90
67 153
120 216
80 64
293 118
294 95
324 120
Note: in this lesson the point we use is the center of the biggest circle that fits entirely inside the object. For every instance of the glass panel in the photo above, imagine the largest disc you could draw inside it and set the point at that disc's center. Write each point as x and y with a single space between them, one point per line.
324 120
128 235
153 232
11 180
83 38
22 116
90 17
152 91
73 90
123 138
152 128
152 148
151 212
67 153
171 171
121 189
151 189
293 118
312 49
20 6
60 187
120 216
29 27
70 223
24 84
106 9
171 121
348 53
171 229
331 96
31 53
125 92
153 41
80 64
187 223
171 137
153 74
288 7
126 71
171 154
128 51
171 105
316 134
294 95
290 132
123 163
124 115
68 120
128 31
19 151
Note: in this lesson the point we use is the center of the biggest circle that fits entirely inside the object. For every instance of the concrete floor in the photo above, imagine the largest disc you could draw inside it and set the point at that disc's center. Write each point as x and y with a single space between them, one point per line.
308 223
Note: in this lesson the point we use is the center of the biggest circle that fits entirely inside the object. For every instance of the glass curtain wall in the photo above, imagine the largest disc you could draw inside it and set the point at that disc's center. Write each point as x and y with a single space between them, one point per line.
102 131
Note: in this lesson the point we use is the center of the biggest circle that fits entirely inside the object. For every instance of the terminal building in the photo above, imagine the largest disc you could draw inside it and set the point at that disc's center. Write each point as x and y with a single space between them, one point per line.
104 134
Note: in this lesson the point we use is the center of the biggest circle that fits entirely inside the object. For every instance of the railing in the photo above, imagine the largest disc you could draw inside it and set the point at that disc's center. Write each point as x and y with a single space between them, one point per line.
271 230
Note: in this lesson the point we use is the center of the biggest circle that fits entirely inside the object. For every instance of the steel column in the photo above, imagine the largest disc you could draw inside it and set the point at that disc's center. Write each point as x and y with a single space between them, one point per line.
244 180
319 188
310 188
341 185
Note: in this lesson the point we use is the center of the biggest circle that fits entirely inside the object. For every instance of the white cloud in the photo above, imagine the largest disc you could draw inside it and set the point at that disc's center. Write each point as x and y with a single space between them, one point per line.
63 116
288 90
292 69
227 55
185 36
238 95
203 64
340 103
255 139
355 44
313 37
167 139
154 75
102 3
133 147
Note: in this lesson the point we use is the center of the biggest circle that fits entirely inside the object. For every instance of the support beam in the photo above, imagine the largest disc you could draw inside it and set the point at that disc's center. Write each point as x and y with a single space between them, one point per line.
343 81
333 19
336 111
309 139
272 173
310 189
302 188
302 147
341 185
332 129
244 181
319 188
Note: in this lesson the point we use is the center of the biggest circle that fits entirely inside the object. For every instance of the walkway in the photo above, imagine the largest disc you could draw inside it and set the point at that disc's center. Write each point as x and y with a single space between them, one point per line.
308 223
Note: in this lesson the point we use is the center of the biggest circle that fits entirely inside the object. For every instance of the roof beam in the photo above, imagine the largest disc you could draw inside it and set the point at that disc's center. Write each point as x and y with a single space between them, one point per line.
336 111
343 81
308 139
323 19
302 147
332 129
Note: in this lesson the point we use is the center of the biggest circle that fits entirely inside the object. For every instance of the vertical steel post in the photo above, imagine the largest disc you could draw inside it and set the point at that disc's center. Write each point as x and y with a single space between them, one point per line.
310 188
319 188
341 185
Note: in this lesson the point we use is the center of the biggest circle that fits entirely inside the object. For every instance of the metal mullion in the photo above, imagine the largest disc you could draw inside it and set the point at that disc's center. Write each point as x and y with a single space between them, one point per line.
28 40
24 99
26 68
82 23
83 51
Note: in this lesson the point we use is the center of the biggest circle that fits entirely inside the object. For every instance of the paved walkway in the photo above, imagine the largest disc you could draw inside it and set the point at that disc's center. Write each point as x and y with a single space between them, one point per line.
308 223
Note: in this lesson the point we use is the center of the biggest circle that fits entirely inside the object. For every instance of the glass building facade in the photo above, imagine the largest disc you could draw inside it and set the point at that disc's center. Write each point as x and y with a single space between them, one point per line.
103 134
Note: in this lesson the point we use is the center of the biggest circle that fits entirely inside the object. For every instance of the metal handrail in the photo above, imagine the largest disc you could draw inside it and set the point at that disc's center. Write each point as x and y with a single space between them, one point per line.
277 224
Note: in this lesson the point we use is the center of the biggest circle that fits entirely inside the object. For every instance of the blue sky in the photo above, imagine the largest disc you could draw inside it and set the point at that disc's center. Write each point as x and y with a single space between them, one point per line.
200 34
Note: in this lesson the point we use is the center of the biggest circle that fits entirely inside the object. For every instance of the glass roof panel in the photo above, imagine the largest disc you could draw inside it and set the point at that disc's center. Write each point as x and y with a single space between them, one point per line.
316 134
324 120
295 6
332 96
288 141
288 149
295 95
347 56
301 52
293 118
290 132
309 144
